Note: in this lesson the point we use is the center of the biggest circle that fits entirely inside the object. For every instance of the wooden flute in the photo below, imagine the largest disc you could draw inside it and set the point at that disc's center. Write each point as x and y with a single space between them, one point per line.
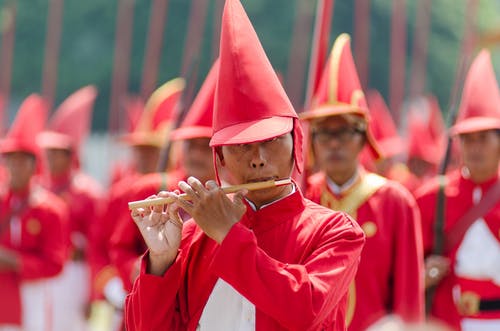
228 189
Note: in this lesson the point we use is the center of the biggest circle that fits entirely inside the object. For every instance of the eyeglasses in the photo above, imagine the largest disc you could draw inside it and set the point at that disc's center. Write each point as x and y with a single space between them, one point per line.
343 135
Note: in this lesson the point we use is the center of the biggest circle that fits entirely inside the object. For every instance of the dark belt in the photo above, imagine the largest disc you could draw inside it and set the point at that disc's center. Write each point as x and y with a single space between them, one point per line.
489 305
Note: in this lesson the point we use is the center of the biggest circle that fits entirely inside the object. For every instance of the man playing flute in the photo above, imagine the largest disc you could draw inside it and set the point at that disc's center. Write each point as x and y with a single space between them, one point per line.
260 260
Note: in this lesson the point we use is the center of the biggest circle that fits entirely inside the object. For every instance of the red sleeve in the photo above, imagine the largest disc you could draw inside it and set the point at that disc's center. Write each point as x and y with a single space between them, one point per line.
299 296
48 259
100 232
408 280
152 304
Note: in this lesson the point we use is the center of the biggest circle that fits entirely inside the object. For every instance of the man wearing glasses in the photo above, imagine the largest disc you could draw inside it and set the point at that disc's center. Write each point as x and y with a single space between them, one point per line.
389 279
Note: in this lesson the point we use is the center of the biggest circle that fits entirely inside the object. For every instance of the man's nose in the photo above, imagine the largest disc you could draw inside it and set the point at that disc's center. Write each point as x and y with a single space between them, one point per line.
258 160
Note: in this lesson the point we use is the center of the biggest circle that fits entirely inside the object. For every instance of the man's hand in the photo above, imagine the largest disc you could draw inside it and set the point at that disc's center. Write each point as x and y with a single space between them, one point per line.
162 231
210 208
436 267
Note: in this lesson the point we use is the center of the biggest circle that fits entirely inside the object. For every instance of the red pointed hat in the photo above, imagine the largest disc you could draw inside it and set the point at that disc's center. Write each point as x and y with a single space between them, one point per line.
250 103
423 140
480 105
339 91
198 121
29 122
158 116
383 127
71 122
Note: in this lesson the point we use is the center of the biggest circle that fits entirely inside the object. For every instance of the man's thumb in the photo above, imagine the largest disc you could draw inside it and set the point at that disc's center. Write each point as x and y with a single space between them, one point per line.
238 198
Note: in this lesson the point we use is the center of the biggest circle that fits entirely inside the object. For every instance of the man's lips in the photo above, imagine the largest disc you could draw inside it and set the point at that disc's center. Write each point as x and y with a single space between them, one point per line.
261 179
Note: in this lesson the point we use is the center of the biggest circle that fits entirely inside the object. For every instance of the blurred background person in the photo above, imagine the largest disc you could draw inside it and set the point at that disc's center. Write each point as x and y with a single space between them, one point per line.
62 141
461 231
33 227
389 278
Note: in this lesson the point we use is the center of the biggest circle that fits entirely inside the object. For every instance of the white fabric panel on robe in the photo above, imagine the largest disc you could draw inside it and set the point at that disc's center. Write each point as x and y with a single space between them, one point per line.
70 295
36 305
226 309
10 328
469 324
478 256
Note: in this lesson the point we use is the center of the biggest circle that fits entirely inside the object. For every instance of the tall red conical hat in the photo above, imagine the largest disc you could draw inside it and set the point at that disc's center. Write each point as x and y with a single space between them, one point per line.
198 121
383 127
480 104
29 122
339 91
71 122
158 115
250 103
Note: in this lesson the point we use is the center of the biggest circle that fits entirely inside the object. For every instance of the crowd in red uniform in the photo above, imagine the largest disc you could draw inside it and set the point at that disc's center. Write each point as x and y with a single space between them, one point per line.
370 240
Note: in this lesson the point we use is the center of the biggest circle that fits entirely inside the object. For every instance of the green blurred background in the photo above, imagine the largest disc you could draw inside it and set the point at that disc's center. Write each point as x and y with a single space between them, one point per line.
88 43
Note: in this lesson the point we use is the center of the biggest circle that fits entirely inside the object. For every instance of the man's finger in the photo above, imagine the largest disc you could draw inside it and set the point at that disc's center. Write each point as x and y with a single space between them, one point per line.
186 188
211 185
196 185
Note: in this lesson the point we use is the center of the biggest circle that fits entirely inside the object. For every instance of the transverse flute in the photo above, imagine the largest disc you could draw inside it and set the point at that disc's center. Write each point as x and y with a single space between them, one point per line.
228 189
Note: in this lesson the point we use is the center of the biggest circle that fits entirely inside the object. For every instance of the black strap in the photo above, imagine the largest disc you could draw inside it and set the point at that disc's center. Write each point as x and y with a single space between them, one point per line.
439 224
438 237
489 305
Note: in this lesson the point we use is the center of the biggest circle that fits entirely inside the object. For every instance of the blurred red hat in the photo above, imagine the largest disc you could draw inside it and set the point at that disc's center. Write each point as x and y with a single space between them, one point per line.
250 103
158 116
71 122
480 104
383 127
425 129
339 91
198 121
29 122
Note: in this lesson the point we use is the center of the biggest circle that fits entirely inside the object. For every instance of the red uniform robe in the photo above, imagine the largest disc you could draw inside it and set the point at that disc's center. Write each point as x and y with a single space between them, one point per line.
82 194
293 260
102 270
37 233
389 278
459 192
71 291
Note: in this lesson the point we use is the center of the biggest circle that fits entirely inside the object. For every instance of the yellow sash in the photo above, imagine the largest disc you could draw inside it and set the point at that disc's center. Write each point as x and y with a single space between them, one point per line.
367 185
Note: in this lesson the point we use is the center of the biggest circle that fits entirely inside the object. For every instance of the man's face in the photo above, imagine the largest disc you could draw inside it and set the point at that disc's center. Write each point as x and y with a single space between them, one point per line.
481 151
21 167
146 158
198 160
59 160
336 145
421 168
257 162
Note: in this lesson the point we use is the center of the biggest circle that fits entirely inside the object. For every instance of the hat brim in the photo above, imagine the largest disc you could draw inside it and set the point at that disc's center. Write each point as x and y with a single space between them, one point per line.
332 110
253 131
12 146
475 124
55 140
191 132
143 139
